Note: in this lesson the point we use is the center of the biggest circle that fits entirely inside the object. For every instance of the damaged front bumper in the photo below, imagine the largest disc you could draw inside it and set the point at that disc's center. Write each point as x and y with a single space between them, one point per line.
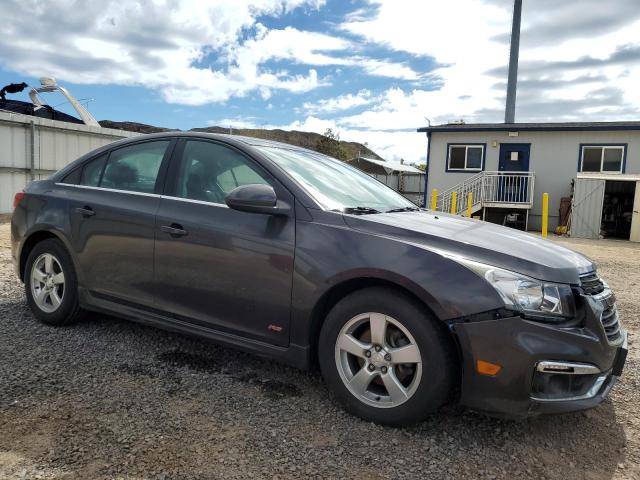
545 368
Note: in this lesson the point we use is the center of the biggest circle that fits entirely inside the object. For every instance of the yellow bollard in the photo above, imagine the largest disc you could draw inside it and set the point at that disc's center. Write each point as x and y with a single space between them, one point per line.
545 214
469 201
454 202
434 198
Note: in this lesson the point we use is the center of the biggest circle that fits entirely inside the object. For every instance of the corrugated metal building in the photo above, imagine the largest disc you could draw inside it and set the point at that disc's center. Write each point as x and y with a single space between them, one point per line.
554 157
405 179
32 148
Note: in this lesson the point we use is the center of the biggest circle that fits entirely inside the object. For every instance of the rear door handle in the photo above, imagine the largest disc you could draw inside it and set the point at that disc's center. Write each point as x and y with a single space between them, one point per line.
175 230
85 211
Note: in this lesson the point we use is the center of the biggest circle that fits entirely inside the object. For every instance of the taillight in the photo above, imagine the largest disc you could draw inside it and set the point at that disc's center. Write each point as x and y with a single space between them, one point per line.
17 199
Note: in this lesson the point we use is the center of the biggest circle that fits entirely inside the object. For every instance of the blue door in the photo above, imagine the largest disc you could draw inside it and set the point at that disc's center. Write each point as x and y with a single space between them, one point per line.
514 158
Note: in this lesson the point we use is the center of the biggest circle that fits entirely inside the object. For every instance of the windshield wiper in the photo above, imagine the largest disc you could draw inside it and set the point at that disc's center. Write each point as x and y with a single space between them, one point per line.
358 210
403 209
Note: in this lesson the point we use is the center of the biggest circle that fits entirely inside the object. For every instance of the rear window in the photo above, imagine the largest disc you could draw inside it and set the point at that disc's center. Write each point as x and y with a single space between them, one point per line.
134 168
92 171
73 177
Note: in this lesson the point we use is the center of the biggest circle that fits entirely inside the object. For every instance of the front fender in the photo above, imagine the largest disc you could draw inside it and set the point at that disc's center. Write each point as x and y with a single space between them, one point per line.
386 276
330 254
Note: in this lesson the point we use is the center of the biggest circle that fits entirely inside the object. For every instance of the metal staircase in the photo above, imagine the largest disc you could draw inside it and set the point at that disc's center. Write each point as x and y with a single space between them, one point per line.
490 190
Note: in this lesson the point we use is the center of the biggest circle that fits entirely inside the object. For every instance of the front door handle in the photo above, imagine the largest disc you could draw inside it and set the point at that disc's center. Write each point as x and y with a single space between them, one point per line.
85 211
175 230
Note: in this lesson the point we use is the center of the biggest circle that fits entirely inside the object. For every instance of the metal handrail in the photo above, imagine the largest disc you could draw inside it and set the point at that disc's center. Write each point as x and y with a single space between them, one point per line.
468 180
493 188
472 184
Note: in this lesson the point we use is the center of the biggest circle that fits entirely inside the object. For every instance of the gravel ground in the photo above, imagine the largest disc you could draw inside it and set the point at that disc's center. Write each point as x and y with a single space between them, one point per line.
112 399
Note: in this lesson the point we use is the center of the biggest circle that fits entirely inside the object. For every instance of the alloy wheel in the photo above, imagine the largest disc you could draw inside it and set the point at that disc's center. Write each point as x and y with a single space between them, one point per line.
47 283
378 360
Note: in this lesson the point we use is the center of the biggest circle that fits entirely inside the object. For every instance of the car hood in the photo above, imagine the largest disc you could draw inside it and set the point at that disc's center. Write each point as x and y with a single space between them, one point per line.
483 242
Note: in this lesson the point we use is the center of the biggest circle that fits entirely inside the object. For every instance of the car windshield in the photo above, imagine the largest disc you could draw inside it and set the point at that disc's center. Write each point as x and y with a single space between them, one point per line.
336 185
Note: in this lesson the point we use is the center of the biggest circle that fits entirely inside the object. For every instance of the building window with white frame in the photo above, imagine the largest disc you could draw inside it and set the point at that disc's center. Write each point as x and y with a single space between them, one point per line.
602 158
465 158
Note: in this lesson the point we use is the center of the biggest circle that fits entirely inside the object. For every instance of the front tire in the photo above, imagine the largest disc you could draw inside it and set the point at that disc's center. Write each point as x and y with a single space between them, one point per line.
385 358
51 284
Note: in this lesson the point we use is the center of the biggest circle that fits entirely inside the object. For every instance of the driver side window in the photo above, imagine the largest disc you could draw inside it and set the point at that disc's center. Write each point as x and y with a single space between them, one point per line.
209 171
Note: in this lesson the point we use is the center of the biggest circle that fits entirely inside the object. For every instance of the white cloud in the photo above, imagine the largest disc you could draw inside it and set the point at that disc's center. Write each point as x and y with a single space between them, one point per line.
394 110
340 103
158 44
290 44
461 44
472 51
382 68
577 62
238 122
587 76
313 48
163 45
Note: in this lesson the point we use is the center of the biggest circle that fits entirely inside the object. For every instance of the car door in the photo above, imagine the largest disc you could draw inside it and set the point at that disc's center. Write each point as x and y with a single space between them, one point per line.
215 266
112 212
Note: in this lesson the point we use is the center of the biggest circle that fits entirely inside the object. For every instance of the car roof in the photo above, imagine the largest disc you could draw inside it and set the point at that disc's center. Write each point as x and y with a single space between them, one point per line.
239 141
233 139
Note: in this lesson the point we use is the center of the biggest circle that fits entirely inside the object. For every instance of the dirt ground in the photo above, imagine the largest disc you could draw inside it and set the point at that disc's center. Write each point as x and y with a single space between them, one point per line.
113 399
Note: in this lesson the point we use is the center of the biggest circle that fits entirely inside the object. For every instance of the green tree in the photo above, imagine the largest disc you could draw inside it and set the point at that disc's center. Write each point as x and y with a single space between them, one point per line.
329 144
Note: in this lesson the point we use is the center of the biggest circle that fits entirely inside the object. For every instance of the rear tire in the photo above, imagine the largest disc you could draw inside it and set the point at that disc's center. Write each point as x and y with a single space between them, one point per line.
51 284
385 358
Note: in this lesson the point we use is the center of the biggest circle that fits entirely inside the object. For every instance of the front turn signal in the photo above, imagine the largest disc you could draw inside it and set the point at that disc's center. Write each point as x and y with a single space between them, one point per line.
487 368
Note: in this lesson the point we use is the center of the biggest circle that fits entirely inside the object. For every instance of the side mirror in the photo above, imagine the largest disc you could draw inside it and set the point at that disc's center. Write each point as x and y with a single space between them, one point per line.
253 198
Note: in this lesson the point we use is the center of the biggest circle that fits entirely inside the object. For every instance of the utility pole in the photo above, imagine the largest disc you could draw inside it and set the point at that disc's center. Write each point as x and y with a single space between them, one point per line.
510 108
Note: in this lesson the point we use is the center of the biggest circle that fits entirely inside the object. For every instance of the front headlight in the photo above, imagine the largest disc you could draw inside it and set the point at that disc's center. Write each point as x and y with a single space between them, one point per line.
531 296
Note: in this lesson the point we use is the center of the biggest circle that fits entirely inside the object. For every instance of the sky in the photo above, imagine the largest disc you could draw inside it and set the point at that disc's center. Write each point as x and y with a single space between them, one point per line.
372 70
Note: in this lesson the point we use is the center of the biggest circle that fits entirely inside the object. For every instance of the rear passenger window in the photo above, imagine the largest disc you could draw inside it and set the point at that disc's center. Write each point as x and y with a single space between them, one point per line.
92 170
74 177
134 168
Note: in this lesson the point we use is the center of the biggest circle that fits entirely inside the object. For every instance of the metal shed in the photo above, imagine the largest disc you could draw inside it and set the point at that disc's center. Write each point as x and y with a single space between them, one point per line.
405 179
32 148
587 204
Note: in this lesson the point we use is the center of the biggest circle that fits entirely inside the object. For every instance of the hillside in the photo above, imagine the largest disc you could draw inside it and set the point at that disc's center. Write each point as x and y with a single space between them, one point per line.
133 127
302 139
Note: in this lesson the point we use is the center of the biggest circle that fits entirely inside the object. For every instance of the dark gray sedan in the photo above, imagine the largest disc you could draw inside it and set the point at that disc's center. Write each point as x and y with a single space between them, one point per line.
291 254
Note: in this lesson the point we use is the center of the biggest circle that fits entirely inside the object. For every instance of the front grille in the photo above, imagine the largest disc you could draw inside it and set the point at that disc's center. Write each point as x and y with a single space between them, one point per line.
591 284
611 323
